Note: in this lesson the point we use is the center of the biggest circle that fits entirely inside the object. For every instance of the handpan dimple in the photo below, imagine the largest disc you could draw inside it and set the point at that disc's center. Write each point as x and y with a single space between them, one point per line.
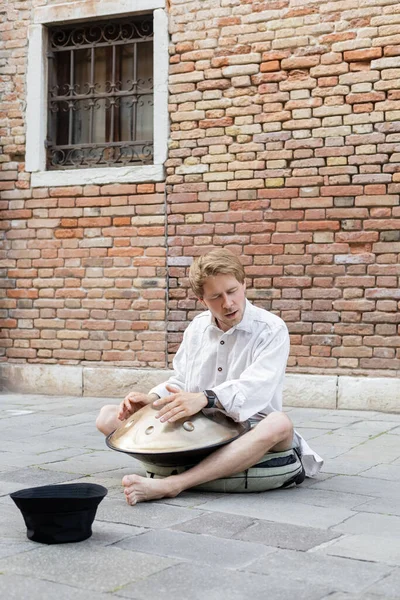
188 426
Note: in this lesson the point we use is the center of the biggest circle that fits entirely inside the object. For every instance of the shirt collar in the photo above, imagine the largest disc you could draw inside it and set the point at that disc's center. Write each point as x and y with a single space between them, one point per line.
246 322
244 325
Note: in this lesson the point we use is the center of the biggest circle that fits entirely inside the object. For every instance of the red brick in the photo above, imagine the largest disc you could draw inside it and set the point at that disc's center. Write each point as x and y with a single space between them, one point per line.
384 224
297 282
121 221
365 97
59 192
360 55
263 249
357 237
222 122
68 233
271 65
15 214
195 207
342 190
118 189
94 221
319 226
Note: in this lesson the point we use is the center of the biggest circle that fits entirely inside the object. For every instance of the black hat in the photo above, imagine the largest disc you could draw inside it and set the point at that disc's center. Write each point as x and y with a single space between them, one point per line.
57 514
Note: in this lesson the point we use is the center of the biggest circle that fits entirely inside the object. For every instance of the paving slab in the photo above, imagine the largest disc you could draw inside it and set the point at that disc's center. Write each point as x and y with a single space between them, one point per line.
12 525
366 486
105 533
36 476
203 549
266 507
193 499
341 465
335 537
282 535
310 433
149 514
318 497
345 596
93 462
18 587
11 547
207 583
382 525
217 524
342 574
85 565
278 535
384 506
371 548
388 586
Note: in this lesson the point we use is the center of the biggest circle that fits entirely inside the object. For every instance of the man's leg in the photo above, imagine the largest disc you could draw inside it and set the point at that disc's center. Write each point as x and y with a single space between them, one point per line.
107 421
274 432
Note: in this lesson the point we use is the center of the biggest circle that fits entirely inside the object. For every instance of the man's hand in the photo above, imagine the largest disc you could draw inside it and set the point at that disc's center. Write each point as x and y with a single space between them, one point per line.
179 405
133 402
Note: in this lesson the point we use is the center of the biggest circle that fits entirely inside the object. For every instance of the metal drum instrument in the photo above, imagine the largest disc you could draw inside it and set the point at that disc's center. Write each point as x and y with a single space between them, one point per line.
181 443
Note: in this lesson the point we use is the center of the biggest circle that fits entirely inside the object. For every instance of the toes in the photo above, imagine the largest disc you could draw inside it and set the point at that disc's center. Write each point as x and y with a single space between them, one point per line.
129 480
131 500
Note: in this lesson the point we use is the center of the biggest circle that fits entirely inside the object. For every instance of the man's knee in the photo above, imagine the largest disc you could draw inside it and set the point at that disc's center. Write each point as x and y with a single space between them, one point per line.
278 426
106 420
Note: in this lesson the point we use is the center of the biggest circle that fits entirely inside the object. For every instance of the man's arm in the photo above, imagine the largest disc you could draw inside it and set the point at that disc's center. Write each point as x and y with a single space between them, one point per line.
179 404
239 398
258 384
133 402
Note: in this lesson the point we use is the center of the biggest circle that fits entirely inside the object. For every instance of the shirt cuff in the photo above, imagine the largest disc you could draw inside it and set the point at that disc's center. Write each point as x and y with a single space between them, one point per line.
231 403
160 390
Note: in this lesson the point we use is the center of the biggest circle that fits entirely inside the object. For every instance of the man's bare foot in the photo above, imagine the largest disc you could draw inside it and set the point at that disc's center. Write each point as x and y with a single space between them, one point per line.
141 489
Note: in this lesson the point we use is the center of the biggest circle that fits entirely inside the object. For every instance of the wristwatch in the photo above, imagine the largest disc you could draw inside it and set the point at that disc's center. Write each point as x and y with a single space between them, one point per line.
212 398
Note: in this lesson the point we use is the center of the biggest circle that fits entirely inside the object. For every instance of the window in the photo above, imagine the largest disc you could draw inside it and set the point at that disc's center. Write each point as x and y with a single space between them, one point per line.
96 106
100 105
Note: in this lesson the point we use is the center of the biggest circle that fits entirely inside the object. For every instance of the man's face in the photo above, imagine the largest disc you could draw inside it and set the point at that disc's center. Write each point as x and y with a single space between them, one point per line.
225 297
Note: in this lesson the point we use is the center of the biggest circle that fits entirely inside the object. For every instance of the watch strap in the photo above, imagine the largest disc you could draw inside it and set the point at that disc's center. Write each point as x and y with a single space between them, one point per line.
211 398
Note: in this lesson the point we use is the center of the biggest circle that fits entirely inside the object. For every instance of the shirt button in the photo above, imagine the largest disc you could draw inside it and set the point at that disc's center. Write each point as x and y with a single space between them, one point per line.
222 342
219 368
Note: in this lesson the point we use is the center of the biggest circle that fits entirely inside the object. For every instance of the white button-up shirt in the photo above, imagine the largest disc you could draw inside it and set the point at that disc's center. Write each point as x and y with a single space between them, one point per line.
244 366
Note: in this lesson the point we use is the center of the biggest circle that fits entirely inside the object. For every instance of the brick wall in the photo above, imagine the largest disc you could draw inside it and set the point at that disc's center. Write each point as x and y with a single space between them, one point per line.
85 275
285 147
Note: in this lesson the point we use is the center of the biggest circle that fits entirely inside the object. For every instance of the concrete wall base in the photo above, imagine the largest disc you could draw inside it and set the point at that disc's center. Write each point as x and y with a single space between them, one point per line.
312 391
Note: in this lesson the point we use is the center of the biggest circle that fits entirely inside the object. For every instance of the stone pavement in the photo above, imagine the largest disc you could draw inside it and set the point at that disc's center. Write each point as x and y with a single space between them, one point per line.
336 537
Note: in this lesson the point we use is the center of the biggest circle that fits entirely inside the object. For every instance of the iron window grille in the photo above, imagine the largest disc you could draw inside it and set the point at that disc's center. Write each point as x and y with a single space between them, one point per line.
100 94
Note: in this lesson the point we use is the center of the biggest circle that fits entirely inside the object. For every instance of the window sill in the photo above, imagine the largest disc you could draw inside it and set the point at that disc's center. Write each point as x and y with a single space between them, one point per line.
139 174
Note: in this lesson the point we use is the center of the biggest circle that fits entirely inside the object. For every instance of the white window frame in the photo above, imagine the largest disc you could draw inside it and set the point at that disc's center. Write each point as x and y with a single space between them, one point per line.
37 93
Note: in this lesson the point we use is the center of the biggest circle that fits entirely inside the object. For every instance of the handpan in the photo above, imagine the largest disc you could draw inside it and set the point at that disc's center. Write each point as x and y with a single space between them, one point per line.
183 442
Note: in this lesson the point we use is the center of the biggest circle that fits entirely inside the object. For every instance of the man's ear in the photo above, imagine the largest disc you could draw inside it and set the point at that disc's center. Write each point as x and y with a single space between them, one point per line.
202 301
